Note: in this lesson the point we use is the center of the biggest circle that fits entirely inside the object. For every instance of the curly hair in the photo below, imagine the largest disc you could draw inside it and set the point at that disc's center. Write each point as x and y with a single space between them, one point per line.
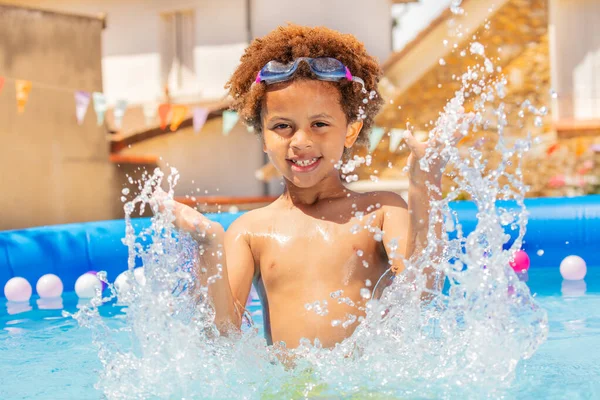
287 43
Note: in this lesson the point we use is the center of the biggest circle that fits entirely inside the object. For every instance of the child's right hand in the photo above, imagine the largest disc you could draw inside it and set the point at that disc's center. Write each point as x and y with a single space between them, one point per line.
188 220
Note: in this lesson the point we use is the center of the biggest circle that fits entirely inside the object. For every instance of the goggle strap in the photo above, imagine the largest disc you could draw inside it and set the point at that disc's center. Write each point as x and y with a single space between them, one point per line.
348 73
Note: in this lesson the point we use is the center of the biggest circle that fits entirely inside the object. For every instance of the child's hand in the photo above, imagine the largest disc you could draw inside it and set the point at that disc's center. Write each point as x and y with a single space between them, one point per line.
187 219
416 175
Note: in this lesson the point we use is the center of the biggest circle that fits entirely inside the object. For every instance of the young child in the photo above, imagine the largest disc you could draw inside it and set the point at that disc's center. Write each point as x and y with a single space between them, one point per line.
301 89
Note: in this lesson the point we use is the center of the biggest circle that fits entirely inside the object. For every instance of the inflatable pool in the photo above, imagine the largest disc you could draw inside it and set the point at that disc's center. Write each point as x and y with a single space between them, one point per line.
557 227
46 355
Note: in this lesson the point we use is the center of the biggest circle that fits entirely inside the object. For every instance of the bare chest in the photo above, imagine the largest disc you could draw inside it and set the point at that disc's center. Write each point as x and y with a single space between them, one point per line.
311 252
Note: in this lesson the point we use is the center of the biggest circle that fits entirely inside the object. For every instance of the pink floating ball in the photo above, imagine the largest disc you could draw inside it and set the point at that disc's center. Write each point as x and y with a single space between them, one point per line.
573 268
520 262
17 289
49 286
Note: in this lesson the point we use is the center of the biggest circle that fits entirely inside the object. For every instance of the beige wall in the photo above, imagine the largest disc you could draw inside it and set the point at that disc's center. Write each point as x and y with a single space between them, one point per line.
131 42
575 52
51 170
370 21
221 165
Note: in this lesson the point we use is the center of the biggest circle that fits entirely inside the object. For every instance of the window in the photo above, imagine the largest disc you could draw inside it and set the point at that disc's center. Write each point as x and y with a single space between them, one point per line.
177 50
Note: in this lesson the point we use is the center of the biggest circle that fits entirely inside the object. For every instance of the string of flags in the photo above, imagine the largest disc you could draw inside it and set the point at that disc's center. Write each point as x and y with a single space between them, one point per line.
170 115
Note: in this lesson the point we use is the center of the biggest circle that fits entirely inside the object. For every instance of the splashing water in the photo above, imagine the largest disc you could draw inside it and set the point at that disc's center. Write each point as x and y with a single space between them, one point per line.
464 340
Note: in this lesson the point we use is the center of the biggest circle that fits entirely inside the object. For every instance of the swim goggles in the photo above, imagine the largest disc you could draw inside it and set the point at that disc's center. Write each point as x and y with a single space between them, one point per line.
325 68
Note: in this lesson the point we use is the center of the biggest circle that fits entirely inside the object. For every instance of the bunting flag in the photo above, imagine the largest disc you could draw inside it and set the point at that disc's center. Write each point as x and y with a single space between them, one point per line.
1 83
163 115
119 113
23 88
99 106
200 116
178 115
149 110
396 136
375 137
230 118
82 102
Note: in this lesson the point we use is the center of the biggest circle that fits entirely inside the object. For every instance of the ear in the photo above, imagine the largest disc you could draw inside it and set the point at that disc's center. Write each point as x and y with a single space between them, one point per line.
352 132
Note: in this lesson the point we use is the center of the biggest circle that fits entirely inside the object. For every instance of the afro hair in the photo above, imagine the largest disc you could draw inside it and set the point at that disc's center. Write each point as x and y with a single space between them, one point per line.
287 43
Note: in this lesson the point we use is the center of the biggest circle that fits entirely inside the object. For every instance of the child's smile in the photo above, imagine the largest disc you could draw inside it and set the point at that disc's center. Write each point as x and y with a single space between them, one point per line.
305 130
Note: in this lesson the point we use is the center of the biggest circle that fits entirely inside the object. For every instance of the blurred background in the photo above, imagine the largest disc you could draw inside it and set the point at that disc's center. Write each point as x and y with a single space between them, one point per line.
94 93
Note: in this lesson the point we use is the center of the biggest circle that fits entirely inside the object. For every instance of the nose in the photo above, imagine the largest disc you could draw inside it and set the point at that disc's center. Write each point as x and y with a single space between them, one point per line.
301 140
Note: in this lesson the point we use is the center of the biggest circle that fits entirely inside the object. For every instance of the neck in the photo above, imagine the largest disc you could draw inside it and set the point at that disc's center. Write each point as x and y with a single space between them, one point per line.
329 188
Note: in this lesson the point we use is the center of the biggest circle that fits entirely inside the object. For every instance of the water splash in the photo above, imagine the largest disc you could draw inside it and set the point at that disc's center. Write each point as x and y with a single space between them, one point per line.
464 340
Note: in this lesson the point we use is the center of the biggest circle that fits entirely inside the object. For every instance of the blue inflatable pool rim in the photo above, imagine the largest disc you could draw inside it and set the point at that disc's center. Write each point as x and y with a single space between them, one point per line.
557 226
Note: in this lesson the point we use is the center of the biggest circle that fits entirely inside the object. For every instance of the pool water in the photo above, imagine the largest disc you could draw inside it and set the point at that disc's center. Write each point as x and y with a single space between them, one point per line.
47 356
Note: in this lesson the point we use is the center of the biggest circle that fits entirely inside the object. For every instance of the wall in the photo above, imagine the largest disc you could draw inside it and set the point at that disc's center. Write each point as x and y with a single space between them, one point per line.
51 169
131 61
370 21
575 52
209 161
131 41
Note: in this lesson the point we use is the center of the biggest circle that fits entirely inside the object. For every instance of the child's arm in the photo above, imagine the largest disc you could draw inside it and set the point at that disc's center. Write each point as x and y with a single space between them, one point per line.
225 259
228 260
405 228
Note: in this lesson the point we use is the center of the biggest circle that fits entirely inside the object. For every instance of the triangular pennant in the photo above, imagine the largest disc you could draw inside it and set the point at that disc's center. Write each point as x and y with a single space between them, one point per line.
200 116
149 110
375 137
23 88
99 106
82 102
396 136
163 115
1 83
119 112
230 118
178 115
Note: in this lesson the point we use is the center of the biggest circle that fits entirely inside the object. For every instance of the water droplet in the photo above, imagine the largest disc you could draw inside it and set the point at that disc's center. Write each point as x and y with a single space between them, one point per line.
368 283
359 253
442 62
540 252
477 48
365 293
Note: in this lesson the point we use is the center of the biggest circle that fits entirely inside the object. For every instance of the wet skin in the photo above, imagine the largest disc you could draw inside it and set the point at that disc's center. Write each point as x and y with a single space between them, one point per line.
301 248
312 240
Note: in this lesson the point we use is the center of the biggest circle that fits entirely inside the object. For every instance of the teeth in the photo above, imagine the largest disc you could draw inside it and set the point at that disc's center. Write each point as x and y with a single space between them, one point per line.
305 163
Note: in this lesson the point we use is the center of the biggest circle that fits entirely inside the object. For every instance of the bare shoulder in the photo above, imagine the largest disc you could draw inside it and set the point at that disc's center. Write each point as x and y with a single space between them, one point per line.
248 222
385 199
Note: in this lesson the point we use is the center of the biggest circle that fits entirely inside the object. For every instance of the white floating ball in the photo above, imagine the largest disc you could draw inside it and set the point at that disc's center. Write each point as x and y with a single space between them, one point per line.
573 268
139 275
17 289
122 283
49 286
86 285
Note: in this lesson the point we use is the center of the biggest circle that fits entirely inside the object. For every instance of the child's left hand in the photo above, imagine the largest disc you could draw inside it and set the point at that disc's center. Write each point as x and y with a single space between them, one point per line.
418 150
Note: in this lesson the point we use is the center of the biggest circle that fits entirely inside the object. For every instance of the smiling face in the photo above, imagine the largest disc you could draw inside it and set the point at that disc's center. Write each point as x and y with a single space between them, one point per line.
305 130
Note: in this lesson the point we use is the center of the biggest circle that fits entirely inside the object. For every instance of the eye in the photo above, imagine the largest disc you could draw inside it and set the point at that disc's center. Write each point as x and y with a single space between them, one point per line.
280 126
320 124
